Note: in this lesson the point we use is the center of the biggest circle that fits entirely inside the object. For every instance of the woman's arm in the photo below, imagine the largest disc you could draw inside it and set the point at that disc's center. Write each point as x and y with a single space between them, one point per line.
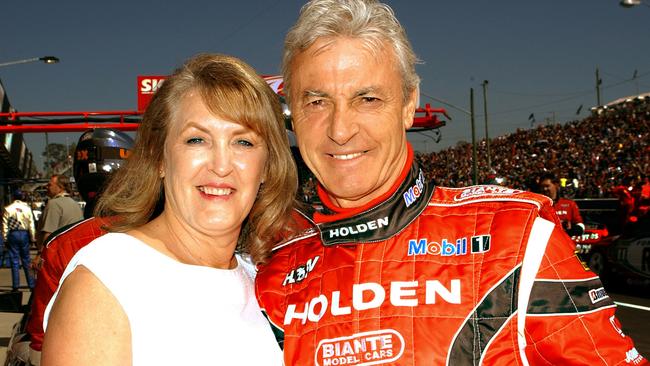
87 325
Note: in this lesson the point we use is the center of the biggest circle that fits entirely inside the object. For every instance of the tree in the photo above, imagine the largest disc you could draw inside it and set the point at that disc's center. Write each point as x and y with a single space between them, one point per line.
57 158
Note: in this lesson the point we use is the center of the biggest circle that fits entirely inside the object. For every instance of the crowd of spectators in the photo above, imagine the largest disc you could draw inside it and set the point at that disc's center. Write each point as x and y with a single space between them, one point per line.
592 156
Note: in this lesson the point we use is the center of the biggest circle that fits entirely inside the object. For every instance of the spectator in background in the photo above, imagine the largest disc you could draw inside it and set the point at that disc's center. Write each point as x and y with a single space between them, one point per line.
18 233
61 210
99 153
643 206
566 209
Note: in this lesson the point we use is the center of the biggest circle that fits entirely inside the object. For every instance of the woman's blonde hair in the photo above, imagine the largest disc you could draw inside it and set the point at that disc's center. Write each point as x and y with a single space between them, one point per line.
230 89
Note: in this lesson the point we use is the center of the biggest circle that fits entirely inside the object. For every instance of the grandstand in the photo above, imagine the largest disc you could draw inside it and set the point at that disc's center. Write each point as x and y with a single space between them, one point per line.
594 155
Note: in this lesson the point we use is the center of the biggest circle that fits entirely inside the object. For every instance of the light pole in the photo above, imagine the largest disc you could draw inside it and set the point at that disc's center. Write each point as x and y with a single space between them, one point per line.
45 59
487 136
474 154
598 82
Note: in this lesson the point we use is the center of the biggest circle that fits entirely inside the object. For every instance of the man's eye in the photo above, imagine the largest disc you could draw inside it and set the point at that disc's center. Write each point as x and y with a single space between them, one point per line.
370 99
194 140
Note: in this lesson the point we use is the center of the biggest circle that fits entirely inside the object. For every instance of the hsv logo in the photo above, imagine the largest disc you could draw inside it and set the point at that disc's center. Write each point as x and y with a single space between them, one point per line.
478 191
359 228
414 192
369 348
597 295
480 244
300 273
372 295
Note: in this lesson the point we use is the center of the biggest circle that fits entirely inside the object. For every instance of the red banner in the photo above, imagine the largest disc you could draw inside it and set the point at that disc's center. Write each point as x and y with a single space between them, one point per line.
147 85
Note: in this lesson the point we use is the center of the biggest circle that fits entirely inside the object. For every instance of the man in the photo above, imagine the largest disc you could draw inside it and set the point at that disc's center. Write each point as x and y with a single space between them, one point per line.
566 209
396 271
61 210
18 233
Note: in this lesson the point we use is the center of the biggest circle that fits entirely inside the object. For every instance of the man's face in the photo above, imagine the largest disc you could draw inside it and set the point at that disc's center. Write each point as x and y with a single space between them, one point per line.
549 188
53 187
350 118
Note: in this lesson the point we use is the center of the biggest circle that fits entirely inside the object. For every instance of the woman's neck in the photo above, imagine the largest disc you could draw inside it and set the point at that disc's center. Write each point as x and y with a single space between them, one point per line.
167 235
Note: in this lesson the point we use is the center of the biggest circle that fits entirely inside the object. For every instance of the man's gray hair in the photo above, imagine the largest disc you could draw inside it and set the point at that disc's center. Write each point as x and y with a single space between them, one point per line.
369 20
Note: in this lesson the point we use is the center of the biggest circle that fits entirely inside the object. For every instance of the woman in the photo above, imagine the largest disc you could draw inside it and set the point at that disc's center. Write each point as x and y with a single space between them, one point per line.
169 289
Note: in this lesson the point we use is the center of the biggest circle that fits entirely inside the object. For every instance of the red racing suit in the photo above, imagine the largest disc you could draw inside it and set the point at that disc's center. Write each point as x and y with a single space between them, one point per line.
567 211
438 276
62 245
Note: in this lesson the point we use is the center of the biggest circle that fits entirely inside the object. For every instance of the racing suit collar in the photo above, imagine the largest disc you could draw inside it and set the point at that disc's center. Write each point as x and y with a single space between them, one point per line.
382 218
334 212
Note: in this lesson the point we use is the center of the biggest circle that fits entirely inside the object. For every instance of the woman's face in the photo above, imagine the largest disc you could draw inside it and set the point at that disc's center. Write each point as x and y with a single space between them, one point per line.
212 169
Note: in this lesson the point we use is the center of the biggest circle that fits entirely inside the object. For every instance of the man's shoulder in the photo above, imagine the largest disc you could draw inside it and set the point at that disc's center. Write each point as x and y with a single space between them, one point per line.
566 201
80 232
446 196
302 232
62 200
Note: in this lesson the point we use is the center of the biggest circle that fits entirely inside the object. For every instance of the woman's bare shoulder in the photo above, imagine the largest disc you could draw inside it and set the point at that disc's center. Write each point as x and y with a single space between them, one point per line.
87 325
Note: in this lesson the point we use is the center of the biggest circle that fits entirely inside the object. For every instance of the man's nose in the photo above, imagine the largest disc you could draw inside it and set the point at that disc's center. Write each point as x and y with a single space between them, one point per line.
342 126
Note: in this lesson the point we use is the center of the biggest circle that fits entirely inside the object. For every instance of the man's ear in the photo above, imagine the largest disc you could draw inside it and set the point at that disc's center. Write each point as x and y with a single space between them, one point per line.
408 111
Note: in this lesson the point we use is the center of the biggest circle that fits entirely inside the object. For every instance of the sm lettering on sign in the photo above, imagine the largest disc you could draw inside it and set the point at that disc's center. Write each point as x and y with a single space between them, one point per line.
147 86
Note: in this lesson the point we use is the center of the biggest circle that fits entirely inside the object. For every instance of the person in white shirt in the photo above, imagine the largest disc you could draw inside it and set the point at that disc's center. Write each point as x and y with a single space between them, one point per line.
207 190
18 232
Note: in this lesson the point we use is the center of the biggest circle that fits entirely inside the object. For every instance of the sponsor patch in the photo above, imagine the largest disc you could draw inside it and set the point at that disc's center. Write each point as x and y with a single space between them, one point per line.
341 232
446 248
597 295
372 295
299 273
633 357
481 243
617 326
478 191
414 192
369 348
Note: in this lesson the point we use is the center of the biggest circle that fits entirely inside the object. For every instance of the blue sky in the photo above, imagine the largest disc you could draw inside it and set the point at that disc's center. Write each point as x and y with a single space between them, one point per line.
540 57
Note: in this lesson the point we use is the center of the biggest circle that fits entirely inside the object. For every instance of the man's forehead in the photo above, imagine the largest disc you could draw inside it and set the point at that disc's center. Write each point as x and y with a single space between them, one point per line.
318 71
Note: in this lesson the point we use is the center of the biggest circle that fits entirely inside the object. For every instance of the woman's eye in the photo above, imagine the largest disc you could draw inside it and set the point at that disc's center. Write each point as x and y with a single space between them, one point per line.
245 142
194 140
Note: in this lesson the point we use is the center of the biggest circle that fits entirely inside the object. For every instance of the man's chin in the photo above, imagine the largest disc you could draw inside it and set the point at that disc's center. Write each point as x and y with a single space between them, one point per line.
352 195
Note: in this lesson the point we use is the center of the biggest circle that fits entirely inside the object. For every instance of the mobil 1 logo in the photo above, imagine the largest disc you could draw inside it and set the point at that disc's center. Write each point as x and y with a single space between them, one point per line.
480 244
